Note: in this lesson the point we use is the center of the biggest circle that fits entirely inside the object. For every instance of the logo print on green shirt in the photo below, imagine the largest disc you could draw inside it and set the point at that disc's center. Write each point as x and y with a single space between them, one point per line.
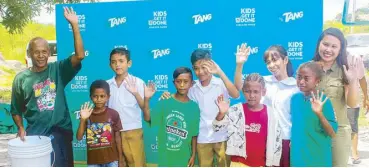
176 130
45 93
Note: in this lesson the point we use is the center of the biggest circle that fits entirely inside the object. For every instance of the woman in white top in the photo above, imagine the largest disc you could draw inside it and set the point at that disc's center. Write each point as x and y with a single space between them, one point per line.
280 87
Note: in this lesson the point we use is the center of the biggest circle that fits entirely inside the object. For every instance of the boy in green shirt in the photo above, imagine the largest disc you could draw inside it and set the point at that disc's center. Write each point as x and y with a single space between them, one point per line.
178 119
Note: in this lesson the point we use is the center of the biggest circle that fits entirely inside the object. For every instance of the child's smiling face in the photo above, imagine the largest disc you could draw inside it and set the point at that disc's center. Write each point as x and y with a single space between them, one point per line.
306 80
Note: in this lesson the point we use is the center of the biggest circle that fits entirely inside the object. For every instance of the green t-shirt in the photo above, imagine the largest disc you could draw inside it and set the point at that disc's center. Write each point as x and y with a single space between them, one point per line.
311 146
178 122
39 97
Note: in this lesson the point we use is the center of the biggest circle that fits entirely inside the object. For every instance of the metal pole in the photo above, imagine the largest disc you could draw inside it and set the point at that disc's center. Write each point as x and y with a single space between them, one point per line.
353 15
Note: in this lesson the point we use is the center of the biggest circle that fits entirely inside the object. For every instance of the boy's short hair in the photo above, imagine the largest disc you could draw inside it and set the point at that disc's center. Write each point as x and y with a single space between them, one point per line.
182 70
121 51
100 84
200 54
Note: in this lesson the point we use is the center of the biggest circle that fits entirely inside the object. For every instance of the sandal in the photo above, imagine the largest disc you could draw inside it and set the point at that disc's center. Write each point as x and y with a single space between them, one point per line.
356 161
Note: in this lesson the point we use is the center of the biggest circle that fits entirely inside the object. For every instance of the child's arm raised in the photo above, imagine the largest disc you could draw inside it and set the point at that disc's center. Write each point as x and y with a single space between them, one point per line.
241 57
223 106
72 18
149 92
317 106
85 113
131 86
221 121
214 68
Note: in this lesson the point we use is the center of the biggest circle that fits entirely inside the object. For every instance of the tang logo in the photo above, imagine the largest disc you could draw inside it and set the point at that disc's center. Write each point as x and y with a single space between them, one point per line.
117 21
160 52
201 18
288 16
253 50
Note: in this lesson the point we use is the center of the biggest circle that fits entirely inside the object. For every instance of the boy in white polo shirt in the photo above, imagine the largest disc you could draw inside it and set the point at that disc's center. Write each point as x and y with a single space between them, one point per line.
127 93
205 92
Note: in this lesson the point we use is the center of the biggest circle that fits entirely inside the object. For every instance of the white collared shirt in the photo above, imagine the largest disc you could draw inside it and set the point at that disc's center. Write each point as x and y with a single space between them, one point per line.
125 103
206 98
278 96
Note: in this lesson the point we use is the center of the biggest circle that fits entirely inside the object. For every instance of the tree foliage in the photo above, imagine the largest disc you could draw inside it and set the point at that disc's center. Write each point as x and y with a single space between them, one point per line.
15 14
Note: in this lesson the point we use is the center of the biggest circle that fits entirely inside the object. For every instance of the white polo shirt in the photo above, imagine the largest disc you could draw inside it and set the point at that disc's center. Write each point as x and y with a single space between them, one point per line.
126 104
278 96
206 98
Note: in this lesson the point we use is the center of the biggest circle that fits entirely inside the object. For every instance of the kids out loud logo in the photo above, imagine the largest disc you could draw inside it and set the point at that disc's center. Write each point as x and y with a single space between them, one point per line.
79 84
81 23
291 16
247 17
157 53
201 18
159 20
117 21
295 50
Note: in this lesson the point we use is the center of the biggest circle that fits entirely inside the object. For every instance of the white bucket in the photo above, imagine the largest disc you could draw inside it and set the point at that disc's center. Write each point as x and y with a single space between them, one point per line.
35 151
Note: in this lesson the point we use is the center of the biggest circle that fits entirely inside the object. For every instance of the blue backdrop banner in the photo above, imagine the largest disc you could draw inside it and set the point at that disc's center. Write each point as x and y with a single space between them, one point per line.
161 36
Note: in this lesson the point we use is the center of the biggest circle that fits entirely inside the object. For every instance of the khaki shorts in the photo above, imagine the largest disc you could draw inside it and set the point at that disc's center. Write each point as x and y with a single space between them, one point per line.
206 152
133 147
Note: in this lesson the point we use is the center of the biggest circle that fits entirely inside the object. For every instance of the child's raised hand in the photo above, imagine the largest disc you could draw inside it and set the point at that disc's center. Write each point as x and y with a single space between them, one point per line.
150 90
242 54
86 110
222 104
211 67
317 102
130 84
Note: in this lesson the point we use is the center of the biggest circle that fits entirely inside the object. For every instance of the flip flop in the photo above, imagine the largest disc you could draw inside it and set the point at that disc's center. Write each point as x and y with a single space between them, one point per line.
356 161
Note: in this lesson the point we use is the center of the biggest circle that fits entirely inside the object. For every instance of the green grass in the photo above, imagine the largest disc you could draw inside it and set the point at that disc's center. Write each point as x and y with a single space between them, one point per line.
80 165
